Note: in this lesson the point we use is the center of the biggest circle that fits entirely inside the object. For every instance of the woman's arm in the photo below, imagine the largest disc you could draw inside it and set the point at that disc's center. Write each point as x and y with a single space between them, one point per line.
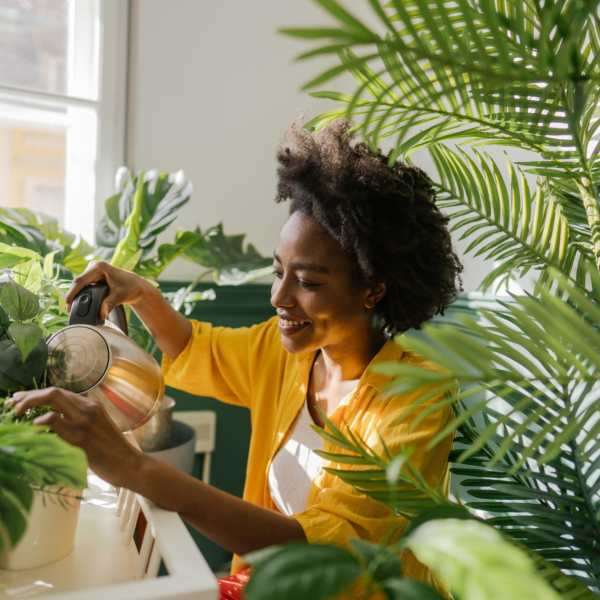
236 525
170 329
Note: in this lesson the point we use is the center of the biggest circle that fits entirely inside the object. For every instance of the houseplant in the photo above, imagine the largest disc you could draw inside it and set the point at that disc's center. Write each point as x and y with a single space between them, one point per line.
446 79
143 206
41 476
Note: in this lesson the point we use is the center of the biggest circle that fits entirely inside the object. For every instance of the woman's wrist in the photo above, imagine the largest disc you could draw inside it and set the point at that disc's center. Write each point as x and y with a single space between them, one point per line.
147 292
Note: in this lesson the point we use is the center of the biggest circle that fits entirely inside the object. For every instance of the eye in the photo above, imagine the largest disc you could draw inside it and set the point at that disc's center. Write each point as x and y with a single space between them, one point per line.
308 284
277 272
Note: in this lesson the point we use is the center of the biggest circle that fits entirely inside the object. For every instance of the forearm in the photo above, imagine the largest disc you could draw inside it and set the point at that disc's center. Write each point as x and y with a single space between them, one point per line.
234 524
169 328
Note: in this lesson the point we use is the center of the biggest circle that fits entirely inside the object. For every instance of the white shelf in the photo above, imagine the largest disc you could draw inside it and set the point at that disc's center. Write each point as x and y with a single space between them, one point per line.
106 562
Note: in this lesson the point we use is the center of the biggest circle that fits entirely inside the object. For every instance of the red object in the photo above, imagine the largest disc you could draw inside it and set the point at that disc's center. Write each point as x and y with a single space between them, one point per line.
232 587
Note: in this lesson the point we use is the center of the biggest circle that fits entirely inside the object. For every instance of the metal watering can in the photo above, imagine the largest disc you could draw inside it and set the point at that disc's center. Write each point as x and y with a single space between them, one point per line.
98 359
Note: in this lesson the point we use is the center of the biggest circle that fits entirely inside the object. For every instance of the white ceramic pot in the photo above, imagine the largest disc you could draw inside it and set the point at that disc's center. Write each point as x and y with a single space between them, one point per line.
50 533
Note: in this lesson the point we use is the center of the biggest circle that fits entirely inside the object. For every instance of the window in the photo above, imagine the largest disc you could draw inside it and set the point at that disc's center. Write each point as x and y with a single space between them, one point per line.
62 106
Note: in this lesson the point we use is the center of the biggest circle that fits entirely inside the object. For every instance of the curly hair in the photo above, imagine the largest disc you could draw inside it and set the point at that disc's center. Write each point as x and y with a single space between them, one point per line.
383 216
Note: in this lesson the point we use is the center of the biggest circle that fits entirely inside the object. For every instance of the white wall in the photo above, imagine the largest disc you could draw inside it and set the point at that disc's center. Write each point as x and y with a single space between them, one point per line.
213 86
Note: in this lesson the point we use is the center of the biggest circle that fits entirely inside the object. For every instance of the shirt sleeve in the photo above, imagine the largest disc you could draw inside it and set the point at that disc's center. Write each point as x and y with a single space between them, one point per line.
218 361
340 513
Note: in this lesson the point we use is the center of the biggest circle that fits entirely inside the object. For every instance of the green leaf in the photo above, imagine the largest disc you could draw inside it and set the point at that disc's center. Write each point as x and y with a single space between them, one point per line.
31 457
449 511
409 589
475 561
29 275
27 336
17 375
4 323
145 206
232 261
19 303
381 562
300 571
14 255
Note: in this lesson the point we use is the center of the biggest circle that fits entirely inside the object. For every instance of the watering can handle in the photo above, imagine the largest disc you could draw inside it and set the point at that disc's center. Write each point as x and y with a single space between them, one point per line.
85 309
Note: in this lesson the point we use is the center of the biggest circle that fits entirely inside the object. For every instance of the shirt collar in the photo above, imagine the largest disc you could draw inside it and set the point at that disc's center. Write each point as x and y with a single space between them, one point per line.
389 352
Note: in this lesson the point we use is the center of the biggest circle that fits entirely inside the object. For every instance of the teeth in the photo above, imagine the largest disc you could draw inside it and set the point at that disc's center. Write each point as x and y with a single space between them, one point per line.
287 323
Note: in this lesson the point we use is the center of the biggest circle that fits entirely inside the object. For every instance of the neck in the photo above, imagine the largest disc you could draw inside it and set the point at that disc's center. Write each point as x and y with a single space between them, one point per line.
348 361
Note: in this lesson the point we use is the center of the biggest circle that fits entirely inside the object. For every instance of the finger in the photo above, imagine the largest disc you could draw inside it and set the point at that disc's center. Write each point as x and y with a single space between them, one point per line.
107 305
58 424
95 273
61 400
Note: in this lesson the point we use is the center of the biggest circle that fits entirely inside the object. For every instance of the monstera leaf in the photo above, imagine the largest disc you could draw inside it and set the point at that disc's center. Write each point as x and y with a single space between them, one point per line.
143 207
225 256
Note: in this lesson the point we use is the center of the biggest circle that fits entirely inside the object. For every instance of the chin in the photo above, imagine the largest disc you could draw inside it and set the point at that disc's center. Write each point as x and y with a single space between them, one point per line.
295 344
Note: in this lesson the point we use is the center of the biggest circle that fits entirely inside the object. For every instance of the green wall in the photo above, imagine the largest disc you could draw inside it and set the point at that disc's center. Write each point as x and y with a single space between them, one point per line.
237 306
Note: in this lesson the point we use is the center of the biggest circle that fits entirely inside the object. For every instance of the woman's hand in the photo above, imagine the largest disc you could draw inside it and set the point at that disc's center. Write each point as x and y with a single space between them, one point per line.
170 329
83 422
124 287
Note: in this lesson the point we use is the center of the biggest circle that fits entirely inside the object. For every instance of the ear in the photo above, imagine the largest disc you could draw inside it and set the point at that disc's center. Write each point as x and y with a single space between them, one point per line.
374 294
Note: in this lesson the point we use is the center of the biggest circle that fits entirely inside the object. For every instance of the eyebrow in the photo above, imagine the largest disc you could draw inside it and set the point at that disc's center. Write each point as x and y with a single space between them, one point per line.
304 266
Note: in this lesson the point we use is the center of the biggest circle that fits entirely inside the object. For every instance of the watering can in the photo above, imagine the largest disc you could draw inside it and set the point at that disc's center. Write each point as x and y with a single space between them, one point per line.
98 359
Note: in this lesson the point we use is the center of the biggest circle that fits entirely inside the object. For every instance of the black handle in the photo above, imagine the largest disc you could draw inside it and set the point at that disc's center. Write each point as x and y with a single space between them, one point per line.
85 309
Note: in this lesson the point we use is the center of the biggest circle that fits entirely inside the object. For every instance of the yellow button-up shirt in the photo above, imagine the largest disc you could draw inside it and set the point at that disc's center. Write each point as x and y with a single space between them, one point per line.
249 367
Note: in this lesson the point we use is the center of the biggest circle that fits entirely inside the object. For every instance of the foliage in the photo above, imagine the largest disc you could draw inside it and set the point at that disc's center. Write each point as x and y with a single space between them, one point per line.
23 351
143 207
31 456
25 229
453 81
471 558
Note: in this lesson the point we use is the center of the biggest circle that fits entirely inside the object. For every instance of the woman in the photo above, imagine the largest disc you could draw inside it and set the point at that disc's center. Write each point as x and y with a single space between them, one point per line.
364 254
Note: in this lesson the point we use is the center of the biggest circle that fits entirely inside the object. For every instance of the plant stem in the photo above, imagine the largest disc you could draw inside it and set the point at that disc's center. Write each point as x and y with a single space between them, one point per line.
592 211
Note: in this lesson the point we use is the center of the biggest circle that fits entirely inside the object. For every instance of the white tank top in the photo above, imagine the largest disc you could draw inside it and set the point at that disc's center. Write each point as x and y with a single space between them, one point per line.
295 466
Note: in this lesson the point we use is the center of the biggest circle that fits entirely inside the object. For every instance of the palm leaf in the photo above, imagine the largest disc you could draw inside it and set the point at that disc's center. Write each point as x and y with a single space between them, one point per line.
519 229
528 76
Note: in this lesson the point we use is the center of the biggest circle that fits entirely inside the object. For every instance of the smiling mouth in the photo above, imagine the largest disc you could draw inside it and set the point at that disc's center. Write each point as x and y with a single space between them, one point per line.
288 326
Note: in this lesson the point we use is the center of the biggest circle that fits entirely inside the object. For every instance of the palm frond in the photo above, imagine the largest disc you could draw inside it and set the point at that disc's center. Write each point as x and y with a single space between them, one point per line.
388 479
527 76
524 356
510 224
542 507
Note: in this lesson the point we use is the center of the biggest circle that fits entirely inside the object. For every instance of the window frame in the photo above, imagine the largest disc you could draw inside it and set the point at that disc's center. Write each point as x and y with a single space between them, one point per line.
110 106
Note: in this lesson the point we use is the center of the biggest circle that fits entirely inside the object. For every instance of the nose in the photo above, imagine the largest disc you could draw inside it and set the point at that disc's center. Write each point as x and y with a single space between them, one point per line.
280 294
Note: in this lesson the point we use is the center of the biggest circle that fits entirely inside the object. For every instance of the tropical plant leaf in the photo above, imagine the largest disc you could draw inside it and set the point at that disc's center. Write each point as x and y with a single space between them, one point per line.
145 205
223 256
474 560
299 571
517 228
19 303
42 234
31 456
27 336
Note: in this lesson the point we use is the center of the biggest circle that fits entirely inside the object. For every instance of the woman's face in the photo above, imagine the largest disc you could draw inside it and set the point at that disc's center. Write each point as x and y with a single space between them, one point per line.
319 302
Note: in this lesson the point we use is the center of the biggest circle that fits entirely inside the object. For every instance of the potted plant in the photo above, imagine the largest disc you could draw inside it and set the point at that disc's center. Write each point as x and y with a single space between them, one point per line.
144 206
447 78
41 476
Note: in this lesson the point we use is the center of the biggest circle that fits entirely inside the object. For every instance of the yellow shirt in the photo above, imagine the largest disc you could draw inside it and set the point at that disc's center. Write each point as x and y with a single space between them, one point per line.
249 367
